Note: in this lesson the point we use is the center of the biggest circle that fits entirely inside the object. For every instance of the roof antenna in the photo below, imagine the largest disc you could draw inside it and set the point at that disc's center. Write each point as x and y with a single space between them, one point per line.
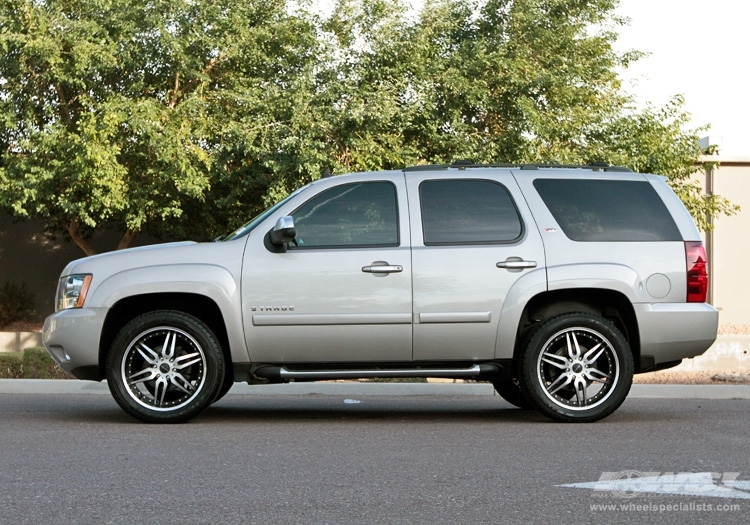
326 173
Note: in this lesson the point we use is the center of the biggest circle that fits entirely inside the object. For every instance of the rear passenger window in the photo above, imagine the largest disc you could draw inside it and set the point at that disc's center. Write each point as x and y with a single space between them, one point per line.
468 212
608 210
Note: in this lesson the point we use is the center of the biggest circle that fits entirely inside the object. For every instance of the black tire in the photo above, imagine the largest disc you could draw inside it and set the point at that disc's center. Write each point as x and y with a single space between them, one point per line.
165 367
226 385
511 391
577 367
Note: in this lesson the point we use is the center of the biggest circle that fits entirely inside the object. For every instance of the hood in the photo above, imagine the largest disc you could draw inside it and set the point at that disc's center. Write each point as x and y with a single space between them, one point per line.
109 263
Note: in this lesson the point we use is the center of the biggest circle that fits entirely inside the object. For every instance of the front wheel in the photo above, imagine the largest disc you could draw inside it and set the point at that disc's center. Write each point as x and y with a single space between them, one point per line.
165 367
577 367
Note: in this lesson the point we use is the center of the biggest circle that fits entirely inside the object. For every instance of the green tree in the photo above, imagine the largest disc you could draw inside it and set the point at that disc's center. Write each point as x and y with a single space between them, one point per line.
181 117
125 112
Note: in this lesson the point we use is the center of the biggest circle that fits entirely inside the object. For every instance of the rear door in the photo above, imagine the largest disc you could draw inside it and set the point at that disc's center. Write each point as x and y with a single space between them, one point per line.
473 239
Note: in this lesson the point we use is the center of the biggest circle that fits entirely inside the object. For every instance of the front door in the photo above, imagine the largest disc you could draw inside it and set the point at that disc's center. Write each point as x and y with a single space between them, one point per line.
342 291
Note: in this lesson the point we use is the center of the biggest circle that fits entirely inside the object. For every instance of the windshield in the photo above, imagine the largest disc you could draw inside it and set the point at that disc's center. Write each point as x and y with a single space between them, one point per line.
250 226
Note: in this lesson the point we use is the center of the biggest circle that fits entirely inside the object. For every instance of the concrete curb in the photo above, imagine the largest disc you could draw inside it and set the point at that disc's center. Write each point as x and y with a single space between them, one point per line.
640 391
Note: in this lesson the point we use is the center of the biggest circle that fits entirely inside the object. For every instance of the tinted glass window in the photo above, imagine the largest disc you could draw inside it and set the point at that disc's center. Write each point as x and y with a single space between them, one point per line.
608 210
349 215
467 212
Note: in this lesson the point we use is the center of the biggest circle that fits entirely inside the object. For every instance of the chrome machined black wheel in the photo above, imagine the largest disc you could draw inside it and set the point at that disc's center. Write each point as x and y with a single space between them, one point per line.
165 366
577 367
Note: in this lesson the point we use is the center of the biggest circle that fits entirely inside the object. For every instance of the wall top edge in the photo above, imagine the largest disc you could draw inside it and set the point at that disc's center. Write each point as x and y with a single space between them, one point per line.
724 160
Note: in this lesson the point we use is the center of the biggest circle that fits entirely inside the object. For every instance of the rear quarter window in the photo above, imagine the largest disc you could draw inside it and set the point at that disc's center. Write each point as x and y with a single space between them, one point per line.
608 210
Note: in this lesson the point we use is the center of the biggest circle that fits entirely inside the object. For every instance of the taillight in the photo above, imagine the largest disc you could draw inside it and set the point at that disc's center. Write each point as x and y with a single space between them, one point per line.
697 272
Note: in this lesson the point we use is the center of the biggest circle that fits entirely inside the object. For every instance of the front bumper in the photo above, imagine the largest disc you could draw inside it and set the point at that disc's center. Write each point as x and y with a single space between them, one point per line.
674 331
72 339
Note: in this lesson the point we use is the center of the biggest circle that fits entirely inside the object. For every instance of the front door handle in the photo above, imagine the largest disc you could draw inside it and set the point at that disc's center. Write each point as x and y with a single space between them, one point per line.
516 264
382 267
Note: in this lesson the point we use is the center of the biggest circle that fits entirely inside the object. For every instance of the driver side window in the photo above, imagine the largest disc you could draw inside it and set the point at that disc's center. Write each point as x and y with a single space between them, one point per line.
362 214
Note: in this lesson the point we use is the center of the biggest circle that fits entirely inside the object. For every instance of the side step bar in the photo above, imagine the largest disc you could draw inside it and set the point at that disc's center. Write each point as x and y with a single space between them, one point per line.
280 373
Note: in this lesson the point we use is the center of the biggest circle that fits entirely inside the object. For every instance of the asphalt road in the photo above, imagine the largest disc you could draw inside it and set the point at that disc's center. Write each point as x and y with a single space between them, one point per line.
326 459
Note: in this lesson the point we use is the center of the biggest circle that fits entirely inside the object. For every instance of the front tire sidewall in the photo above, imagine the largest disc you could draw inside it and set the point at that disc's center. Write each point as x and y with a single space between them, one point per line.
212 366
532 383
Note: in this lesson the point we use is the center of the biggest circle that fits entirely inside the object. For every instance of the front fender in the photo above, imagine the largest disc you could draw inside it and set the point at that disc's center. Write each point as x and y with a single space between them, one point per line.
209 280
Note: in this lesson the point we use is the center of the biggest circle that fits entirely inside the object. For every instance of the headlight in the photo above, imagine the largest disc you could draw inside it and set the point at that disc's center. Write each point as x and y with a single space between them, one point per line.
71 291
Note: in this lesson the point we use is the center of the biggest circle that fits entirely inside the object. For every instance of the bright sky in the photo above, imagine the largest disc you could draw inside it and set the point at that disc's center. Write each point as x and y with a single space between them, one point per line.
698 49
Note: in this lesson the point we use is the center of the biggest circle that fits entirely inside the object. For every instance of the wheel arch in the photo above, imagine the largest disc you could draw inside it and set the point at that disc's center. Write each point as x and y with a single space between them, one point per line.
128 308
609 304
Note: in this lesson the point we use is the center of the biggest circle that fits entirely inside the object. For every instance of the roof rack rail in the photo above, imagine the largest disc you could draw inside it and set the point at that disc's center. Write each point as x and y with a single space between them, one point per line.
463 164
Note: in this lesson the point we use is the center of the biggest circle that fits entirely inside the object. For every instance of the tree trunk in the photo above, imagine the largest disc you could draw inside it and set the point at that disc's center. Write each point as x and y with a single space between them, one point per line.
125 239
73 229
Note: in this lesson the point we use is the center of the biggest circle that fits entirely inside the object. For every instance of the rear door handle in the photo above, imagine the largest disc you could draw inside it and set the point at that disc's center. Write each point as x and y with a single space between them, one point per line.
516 264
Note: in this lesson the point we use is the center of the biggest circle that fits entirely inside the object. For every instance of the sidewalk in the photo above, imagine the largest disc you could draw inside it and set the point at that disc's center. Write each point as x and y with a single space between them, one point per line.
63 387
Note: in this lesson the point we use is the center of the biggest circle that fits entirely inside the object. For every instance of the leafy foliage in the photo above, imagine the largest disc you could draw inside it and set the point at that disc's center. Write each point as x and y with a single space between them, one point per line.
16 303
181 118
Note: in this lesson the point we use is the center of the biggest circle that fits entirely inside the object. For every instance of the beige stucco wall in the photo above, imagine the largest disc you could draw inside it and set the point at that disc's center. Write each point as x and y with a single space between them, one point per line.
730 255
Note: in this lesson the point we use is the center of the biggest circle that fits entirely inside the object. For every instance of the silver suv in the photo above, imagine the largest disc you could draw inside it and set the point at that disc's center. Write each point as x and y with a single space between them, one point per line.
555 283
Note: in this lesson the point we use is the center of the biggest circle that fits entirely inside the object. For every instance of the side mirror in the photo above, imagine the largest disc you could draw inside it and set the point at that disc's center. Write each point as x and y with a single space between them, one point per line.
283 232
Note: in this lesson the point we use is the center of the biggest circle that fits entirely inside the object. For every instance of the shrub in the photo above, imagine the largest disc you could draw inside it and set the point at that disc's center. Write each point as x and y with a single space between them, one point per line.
33 363
16 303
37 364
11 365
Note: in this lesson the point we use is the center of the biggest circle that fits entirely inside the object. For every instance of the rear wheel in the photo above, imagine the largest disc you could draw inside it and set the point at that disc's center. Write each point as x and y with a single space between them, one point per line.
577 367
165 367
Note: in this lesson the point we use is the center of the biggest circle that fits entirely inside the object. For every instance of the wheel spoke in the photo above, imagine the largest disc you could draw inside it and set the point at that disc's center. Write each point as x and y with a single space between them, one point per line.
135 379
563 379
179 365
160 390
179 381
151 357
597 375
574 351
168 349
593 354
555 360
580 388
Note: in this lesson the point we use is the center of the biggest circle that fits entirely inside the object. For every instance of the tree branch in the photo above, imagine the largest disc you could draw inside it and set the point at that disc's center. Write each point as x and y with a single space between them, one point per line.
125 239
175 92
73 228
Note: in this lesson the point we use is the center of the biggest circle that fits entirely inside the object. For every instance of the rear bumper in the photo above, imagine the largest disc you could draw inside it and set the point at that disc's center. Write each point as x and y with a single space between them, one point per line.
72 339
675 331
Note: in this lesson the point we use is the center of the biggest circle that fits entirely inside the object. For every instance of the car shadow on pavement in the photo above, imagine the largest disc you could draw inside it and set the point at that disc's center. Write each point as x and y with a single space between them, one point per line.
297 409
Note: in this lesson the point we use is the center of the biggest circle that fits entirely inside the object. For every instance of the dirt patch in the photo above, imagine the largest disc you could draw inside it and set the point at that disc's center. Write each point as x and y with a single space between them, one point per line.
734 329
698 377
22 326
